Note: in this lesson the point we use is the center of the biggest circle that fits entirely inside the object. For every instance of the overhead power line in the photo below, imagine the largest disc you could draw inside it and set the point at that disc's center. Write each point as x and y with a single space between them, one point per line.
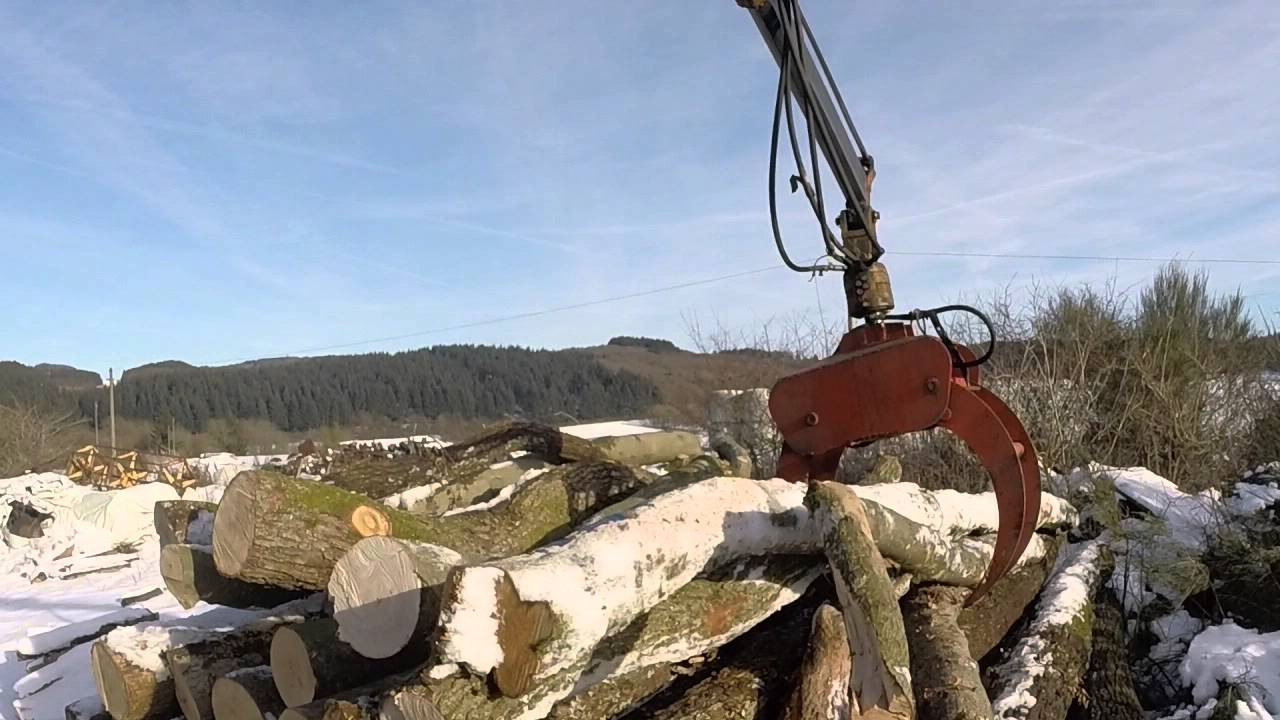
745 273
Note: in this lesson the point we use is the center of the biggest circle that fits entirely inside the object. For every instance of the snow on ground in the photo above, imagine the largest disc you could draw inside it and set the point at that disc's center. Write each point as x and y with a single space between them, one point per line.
384 443
1238 656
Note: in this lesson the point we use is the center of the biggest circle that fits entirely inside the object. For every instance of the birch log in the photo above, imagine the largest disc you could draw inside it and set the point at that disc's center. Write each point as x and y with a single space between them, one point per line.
988 621
650 448
880 679
699 616
1040 678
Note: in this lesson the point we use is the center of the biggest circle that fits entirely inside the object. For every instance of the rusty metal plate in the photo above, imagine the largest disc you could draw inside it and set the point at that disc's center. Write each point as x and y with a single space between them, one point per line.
892 388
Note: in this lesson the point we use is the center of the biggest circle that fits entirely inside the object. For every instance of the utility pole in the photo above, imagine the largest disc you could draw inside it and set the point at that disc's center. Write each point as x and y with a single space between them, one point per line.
111 394
96 441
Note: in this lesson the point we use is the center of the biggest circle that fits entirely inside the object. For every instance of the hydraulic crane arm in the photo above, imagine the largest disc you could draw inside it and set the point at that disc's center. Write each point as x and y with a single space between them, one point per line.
885 379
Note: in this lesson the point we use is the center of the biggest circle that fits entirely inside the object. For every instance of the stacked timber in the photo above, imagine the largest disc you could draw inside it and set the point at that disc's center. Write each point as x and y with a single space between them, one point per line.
586 586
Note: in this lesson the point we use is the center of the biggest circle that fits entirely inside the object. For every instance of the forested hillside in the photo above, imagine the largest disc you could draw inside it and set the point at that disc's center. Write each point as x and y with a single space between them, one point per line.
463 381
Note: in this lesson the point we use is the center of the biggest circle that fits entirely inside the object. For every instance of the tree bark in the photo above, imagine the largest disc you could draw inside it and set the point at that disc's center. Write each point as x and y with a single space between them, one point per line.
988 621
945 676
617 695
130 691
246 694
678 475
358 703
1109 691
650 448
1040 677
386 593
308 662
197 666
821 691
191 576
749 678
702 615
880 679
173 519
281 531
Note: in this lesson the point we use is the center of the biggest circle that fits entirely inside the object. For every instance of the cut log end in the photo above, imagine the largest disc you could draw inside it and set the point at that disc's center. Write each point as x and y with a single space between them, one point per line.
247 694
522 626
369 522
295 678
376 597
405 705
233 528
110 681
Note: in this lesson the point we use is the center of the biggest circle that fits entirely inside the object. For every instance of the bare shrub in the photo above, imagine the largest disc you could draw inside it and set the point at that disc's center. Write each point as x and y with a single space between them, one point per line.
33 439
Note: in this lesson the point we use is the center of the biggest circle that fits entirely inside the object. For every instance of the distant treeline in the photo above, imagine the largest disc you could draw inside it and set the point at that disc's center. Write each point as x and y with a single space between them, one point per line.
305 393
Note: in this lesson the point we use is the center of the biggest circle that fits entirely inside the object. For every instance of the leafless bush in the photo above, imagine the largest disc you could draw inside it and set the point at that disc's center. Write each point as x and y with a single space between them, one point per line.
33 439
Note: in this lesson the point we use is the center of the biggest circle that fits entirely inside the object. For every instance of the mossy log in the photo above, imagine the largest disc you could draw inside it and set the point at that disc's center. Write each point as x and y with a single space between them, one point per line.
988 621
617 695
308 661
749 678
1109 692
944 675
246 694
191 576
377 477
461 493
196 666
703 614
174 518
277 530
1041 675
880 680
650 448
821 692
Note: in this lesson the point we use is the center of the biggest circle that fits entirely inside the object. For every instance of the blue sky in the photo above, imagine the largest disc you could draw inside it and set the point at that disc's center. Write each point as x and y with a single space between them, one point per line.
215 181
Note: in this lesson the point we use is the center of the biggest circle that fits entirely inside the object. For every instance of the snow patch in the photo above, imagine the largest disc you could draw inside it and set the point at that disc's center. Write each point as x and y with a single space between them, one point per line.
470 621
1239 656
592 431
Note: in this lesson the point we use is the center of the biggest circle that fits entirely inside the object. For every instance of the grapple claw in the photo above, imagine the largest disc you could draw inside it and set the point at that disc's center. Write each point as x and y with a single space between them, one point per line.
884 381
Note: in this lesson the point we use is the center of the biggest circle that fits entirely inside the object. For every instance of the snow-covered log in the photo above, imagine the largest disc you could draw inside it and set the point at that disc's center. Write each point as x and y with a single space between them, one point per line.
1040 677
130 668
649 448
880 679
195 667
599 580
699 616
821 692
184 521
191 576
679 474
944 675
489 482
308 661
277 530
246 694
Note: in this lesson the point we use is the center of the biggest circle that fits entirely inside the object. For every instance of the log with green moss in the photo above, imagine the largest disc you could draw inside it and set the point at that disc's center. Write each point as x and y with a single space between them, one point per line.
1109 690
877 638
190 576
944 675
989 620
1040 676
700 616
173 519
277 530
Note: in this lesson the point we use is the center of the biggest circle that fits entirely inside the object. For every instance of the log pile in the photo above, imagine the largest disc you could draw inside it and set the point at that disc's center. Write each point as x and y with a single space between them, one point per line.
591 587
